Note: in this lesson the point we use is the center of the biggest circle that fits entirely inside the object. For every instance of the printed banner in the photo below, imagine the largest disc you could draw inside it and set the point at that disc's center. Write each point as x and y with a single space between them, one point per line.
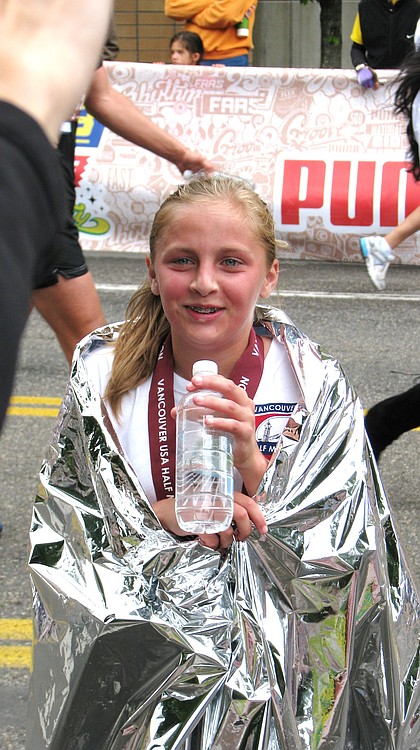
328 156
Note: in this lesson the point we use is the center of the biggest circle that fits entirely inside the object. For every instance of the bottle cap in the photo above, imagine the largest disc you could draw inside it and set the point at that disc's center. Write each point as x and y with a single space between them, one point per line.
205 366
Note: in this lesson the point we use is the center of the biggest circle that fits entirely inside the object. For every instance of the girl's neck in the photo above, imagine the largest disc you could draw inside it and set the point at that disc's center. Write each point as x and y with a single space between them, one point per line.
183 366
226 360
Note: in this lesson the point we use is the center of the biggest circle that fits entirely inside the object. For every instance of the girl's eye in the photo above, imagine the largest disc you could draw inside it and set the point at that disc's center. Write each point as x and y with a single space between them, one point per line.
231 262
182 261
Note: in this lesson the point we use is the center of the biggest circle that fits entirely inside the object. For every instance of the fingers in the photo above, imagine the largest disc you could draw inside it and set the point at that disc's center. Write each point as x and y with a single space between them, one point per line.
217 541
194 162
222 385
234 413
165 511
247 514
233 402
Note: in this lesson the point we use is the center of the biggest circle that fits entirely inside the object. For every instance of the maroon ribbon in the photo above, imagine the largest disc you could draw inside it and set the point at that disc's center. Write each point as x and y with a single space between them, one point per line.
246 374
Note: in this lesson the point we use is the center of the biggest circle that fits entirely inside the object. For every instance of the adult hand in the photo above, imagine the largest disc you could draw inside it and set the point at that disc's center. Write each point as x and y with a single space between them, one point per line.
195 162
367 78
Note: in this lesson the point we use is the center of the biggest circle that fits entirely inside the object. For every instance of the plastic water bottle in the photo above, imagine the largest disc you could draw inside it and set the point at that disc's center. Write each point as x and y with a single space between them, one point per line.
204 466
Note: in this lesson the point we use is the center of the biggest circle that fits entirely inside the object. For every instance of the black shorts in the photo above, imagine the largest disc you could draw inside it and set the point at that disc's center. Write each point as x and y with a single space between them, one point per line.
65 257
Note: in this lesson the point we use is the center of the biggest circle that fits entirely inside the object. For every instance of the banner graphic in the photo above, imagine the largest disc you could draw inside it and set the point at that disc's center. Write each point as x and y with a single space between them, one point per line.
328 156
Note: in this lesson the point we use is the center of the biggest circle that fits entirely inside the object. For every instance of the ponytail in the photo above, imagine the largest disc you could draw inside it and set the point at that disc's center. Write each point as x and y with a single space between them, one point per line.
140 339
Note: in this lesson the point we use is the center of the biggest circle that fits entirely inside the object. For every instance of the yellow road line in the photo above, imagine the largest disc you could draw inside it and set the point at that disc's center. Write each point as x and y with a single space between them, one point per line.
17 410
34 406
31 411
36 400
15 630
15 655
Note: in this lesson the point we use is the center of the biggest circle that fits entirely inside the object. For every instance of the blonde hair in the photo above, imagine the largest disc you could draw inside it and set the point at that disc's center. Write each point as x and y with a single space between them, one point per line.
146 325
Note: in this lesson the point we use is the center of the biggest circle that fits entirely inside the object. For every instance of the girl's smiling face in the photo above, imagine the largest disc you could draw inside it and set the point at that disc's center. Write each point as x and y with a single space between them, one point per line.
209 269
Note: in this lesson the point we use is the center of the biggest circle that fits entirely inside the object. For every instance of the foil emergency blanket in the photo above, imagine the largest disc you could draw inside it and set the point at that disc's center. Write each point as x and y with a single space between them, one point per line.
307 638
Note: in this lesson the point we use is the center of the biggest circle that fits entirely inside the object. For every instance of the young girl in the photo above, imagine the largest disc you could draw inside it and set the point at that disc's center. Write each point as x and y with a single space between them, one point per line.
212 256
300 637
186 48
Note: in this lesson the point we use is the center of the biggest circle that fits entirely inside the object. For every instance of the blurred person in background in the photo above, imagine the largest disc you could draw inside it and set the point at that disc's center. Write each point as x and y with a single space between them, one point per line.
186 48
393 416
382 36
390 418
39 88
376 250
66 295
225 27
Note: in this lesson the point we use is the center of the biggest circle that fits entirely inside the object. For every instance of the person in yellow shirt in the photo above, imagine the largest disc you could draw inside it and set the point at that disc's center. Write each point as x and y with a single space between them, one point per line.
382 36
225 26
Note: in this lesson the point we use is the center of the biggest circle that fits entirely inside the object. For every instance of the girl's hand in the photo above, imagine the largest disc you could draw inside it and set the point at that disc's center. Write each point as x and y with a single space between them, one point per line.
235 415
246 515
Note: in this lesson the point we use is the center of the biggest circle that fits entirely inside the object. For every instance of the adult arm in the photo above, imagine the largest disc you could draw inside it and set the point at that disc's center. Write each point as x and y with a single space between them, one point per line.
118 113
366 75
48 53
214 15
358 54
222 14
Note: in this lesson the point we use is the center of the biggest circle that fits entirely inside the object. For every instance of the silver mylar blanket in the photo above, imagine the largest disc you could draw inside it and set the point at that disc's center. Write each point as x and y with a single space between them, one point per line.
308 638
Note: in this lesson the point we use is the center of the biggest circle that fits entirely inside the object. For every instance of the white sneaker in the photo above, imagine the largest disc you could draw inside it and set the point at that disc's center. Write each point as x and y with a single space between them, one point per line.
377 255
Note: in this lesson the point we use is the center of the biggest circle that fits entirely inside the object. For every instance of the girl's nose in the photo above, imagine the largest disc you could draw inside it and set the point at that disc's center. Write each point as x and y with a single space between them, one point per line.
204 281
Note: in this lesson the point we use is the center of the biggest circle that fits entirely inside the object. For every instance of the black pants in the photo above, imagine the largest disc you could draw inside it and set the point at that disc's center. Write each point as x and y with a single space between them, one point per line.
67 257
31 211
388 419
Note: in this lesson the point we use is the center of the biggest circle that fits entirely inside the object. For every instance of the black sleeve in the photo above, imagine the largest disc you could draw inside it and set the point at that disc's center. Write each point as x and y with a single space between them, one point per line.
31 210
358 54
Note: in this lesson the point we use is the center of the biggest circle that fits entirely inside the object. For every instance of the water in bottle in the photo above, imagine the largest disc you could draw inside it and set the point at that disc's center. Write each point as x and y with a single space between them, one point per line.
204 467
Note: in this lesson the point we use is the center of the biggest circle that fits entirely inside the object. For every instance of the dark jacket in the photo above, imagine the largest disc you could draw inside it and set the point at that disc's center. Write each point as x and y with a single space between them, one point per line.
387 31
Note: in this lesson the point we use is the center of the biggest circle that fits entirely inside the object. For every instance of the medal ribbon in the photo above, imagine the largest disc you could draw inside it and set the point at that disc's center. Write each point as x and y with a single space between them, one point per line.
246 374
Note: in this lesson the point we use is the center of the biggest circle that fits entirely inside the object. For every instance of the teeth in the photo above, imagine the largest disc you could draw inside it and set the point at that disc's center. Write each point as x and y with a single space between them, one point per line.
204 309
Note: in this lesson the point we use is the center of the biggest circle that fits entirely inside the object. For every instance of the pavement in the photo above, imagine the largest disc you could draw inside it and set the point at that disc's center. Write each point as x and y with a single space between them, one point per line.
375 335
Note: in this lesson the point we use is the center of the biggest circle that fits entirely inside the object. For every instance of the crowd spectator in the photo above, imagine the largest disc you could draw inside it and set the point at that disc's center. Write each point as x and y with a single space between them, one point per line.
186 48
382 36
225 27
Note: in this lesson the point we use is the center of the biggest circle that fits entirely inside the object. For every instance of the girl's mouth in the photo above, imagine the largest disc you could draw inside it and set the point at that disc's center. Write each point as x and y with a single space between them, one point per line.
203 310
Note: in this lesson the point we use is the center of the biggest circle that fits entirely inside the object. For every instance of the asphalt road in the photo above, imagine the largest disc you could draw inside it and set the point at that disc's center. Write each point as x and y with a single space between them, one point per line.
375 336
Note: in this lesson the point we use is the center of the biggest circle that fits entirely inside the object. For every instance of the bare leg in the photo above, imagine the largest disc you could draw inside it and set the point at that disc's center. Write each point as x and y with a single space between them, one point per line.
377 249
71 308
408 226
